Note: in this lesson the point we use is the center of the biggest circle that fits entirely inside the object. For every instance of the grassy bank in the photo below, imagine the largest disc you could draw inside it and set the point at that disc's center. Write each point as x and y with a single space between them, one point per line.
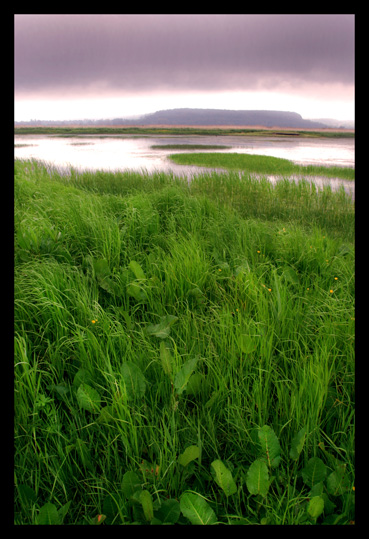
260 164
183 353
190 147
72 131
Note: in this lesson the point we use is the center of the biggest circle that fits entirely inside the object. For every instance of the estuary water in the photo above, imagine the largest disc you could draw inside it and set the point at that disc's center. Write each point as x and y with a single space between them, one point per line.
136 152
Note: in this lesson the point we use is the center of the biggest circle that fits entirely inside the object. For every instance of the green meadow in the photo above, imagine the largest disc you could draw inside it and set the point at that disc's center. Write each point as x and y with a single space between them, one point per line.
184 352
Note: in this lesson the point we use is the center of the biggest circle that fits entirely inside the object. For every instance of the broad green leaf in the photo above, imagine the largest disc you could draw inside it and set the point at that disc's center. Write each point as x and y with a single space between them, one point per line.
169 511
316 506
101 268
48 515
317 490
196 384
190 453
137 270
82 376
63 511
134 380
162 329
257 478
196 509
297 443
182 376
166 358
271 450
107 414
136 291
314 472
130 484
60 389
102 272
108 285
88 398
223 478
147 505
337 481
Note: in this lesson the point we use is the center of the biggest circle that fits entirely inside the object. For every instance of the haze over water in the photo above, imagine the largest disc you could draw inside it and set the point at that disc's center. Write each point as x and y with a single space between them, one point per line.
119 153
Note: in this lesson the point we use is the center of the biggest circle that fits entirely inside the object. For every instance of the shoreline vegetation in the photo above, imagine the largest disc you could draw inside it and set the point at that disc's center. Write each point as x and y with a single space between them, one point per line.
182 130
184 351
260 164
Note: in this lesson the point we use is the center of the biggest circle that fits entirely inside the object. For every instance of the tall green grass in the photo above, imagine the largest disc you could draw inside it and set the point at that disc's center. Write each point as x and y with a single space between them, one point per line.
165 332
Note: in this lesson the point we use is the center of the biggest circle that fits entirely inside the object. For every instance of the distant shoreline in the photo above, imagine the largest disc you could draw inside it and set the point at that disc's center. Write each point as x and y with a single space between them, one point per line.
182 129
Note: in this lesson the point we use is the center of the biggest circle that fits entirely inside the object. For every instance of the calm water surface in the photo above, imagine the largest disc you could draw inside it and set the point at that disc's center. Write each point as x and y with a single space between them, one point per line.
112 152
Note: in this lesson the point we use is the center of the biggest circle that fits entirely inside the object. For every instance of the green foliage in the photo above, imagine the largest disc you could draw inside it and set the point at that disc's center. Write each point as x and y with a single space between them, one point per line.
258 164
191 453
257 479
183 375
314 472
162 330
178 355
223 478
297 443
135 382
197 509
88 398
269 446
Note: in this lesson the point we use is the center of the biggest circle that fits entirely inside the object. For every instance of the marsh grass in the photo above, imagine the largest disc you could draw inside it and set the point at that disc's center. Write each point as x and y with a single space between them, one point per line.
162 327
260 164
190 147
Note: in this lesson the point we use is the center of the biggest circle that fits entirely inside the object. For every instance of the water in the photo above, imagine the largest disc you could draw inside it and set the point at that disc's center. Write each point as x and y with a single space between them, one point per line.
129 152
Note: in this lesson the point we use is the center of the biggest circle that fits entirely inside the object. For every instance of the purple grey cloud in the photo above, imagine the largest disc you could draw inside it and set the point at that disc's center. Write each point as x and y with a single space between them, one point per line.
72 54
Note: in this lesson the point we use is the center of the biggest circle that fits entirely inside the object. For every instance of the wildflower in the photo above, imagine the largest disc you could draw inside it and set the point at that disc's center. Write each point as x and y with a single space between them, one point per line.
93 321
269 289
331 291
219 269
336 278
308 289
258 252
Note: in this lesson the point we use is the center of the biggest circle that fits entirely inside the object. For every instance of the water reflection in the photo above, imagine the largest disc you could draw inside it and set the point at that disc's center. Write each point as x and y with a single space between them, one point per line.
112 152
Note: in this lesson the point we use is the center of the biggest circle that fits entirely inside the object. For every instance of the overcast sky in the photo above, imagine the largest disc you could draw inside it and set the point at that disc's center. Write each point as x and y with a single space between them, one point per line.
111 66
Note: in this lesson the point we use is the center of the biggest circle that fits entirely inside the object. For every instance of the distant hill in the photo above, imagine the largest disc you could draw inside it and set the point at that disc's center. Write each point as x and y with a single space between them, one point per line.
336 124
193 117
265 118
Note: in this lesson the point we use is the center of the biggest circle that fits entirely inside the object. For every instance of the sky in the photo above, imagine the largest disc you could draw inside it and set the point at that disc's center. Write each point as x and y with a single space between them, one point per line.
96 66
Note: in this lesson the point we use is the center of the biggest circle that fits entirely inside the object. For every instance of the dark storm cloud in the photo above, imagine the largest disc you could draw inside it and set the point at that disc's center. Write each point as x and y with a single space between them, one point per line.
134 53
